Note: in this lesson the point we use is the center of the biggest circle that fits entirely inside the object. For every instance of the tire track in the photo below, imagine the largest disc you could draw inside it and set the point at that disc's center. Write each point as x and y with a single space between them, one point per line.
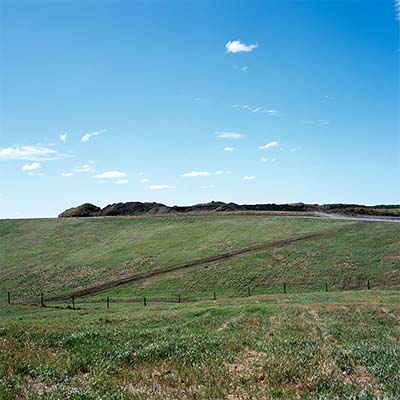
219 257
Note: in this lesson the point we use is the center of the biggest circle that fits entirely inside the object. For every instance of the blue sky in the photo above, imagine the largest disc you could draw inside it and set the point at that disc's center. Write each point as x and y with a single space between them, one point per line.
184 102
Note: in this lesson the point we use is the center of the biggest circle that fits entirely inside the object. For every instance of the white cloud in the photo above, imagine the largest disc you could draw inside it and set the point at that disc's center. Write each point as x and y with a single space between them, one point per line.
229 148
161 187
219 173
196 173
235 46
85 168
269 145
35 173
122 181
144 180
319 122
31 167
248 178
207 186
270 160
230 135
397 7
29 153
87 136
245 68
64 136
111 175
256 109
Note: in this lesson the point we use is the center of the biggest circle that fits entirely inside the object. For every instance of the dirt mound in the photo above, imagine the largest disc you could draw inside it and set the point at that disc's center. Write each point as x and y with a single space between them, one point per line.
130 208
84 210
139 208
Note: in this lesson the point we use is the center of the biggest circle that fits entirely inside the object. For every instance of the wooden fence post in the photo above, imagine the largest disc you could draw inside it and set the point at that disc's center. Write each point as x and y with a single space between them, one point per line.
368 285
41 299
284 287
108 303
73 302
179 298
215 296
248 291
326 286
144 301
9 297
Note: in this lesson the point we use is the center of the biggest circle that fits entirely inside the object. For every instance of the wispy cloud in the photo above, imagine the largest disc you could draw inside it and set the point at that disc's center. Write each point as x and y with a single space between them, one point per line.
230 135
63 137
267 160
36 174
196 173
122 181
207 186
219 172
229 149
31 167
111 175
319 122
144 180
161 187
87 136
85 168
236 46
30 153
256 109
245 68
269 145
248 178
397 8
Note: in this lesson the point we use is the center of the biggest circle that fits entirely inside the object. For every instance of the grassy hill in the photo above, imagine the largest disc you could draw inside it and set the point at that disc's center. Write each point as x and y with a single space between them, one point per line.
60 255
63 255
305 344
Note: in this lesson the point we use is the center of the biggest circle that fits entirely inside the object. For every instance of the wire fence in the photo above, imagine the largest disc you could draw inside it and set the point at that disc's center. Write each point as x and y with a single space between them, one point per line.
71 302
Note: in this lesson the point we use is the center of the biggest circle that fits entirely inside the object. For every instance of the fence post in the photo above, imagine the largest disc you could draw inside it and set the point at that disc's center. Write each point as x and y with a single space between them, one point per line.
144 301
215 296
108 303
73 302
368 285
9 297
326 286
179 298
284 287
41 299
248 291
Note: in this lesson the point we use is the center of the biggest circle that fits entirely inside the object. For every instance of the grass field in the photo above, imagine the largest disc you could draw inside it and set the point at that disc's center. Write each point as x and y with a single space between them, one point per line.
58 255
299 346
305 344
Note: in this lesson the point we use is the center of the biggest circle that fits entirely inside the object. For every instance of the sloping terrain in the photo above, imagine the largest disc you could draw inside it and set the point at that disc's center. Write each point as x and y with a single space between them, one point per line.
343 260
58 256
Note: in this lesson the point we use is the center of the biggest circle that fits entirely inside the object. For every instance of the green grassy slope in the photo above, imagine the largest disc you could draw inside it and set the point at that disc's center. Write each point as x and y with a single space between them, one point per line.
59 255
309 346
344 261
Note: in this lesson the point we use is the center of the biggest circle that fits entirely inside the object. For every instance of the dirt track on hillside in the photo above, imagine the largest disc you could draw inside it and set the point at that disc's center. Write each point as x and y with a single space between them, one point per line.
219 257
